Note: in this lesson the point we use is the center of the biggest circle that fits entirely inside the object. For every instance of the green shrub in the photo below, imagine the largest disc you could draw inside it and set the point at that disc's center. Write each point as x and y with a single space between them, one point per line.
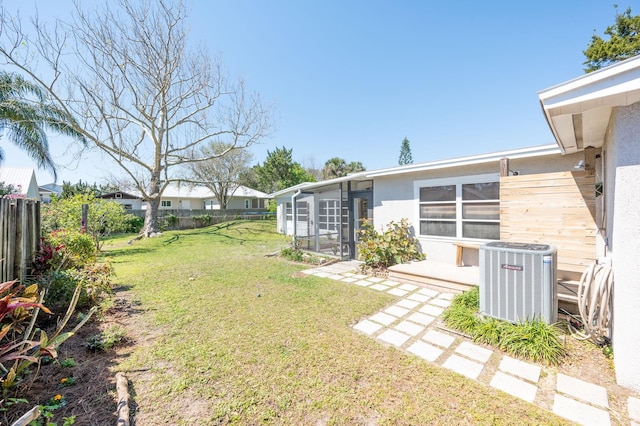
532 339
169 221
72 249
395 245
132 223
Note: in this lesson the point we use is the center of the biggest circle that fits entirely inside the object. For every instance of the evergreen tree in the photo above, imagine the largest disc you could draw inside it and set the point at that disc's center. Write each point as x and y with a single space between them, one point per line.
623 42
405 153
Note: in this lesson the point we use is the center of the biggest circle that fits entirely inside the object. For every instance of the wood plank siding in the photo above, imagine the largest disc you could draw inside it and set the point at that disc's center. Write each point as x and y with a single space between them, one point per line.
552 208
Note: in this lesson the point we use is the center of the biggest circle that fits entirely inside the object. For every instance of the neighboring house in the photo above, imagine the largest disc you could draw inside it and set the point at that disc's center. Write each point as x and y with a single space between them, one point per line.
22 179
129 201
598 116
49 190
580 195
186 197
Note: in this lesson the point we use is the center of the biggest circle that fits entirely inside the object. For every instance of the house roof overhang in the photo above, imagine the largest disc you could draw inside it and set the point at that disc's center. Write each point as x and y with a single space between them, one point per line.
578 111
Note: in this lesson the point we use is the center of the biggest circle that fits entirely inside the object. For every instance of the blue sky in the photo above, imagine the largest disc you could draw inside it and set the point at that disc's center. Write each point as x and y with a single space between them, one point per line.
354 78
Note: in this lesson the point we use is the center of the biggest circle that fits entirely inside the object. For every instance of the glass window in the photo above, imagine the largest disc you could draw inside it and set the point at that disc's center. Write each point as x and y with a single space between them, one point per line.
328 215
288 212
438 193
464 210
165 203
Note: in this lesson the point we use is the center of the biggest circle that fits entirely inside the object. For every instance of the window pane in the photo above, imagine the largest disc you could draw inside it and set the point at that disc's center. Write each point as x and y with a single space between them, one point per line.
489 231
481 191
480 211
438 211
438 193
440 229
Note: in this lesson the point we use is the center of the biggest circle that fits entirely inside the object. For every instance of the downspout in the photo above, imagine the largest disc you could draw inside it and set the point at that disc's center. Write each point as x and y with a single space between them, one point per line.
295 216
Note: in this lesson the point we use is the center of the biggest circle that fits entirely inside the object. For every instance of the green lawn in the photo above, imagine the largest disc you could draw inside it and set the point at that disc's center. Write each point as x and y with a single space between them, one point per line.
234 337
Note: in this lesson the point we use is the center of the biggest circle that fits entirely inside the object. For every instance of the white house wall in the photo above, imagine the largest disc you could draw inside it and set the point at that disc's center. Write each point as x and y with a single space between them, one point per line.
623 205
394 196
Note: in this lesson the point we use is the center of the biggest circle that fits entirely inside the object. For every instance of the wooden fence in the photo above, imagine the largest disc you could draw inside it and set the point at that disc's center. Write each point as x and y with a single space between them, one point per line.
19 238
552 208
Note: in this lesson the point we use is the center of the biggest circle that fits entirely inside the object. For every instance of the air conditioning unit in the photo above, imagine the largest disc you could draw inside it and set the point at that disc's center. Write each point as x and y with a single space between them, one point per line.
518 281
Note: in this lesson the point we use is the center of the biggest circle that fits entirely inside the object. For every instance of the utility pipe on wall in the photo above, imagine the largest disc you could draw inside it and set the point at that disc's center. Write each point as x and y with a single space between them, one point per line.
294 214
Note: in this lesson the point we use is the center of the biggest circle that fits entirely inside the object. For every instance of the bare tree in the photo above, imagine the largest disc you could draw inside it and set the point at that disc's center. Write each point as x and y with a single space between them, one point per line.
222 171
139 92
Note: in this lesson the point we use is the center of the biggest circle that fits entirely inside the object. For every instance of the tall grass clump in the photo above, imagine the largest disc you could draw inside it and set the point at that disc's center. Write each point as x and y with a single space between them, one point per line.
530 339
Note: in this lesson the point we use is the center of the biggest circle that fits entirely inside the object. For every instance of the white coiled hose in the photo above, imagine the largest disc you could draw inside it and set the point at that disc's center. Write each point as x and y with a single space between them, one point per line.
594 303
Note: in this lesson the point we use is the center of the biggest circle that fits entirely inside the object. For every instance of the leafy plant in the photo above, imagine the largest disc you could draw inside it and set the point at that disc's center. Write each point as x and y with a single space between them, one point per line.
68 363
202 219
531 339
393 246
106 340
170 221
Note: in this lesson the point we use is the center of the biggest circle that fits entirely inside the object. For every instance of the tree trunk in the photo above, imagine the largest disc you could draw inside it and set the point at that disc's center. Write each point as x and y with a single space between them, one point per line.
151 225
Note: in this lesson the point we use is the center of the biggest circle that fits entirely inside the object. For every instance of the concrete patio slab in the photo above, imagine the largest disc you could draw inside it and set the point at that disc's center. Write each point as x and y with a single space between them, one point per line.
394 337
367 327
513 386
464 366
580 389
438 338
425 351
580 412
474 352
521 369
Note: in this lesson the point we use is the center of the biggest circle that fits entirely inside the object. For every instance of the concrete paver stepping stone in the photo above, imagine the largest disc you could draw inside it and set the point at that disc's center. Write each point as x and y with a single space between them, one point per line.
391 283
379 287
349 280
375 279
309 271
322 274
425 351
394 337
411 328
440 302
521 369
580 412
464 366
359 276
382 318
474 352
338 277
580 389
368 327
431 310
397 292
633 405
418 297
396 311
446 296
363 283
421 318
409 304
428 292
408 287
513 386
438 338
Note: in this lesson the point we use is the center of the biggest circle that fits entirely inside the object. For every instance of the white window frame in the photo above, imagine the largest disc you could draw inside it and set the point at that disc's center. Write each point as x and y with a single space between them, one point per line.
458 182
331 219
165 203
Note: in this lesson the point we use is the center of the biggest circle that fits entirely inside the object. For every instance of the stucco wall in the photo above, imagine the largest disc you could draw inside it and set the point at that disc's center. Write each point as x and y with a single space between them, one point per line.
624 163
394 198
